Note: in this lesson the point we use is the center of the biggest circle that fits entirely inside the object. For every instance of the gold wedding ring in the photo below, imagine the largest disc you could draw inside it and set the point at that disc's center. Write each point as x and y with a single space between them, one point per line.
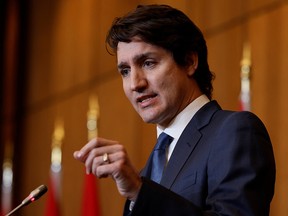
105 158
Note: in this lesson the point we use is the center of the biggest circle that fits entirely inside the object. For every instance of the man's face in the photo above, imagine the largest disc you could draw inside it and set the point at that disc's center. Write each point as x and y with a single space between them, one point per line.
156 86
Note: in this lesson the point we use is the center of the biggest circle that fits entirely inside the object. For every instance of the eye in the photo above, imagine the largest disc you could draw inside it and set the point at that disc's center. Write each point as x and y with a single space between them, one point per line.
124 72
149 63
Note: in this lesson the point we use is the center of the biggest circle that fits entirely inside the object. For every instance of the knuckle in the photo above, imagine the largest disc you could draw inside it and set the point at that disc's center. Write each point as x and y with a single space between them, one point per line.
121 155
120 148
119 164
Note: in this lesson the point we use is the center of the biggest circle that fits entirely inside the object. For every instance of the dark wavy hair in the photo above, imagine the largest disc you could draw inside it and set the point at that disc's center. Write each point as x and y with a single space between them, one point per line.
169 28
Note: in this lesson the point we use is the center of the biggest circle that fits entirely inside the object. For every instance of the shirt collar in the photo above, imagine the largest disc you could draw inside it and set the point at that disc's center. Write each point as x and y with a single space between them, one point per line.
179 123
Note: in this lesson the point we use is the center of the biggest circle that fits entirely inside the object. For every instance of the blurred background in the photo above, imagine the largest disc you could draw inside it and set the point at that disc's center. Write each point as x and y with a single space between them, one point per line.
60 87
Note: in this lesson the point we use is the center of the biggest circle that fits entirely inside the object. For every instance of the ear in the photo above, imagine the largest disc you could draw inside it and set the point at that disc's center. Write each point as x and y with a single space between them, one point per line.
193 63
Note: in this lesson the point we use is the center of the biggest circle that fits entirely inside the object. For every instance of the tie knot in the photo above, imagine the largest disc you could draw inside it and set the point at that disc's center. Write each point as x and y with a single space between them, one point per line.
163 141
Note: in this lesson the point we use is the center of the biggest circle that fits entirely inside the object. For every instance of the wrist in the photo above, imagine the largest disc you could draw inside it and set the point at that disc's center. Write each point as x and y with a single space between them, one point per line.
134 196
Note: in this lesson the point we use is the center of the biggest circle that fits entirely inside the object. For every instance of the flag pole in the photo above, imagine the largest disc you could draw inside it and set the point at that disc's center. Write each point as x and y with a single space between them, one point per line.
93 115
7 178
245 94
91 202
52 204
56 152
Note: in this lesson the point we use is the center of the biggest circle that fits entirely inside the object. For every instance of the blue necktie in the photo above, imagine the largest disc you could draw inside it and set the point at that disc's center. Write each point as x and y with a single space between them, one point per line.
159 156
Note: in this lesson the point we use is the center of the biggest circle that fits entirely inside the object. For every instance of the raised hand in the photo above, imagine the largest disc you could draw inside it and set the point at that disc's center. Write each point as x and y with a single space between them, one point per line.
108 158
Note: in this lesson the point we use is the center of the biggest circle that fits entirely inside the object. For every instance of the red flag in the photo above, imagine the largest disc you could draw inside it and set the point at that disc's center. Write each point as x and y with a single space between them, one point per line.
52 206
90 200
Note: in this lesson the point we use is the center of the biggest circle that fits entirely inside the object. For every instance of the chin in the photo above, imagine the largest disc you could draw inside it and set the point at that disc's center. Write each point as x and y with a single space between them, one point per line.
150 117
148 120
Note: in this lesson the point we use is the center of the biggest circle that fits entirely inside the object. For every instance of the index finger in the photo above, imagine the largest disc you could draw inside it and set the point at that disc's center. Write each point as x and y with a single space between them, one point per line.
92 144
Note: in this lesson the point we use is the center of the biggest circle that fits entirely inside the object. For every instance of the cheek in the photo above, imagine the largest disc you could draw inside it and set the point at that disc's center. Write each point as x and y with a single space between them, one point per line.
172 91
167 85
126 90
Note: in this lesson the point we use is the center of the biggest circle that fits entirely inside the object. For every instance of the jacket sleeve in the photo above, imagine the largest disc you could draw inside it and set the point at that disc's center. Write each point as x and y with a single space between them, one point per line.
156 200
241 167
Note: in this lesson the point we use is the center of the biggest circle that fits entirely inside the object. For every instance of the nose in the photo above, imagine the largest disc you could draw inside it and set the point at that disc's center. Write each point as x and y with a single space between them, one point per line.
138 80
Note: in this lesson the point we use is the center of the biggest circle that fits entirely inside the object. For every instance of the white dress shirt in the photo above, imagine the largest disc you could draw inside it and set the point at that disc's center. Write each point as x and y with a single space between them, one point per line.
179 123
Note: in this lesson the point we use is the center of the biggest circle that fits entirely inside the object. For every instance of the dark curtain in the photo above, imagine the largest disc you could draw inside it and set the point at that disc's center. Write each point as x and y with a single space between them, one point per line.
13 46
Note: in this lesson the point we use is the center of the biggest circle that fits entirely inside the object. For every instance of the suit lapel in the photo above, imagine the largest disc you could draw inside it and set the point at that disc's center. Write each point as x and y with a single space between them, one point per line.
181 153
187 142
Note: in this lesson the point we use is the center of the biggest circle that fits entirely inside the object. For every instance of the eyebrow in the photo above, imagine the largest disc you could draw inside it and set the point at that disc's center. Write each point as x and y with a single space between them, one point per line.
136 59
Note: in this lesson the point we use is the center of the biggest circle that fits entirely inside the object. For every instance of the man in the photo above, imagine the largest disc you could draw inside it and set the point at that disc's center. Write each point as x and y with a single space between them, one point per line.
218 162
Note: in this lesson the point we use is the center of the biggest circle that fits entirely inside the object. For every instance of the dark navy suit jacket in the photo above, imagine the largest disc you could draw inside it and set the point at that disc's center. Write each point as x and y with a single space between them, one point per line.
222 164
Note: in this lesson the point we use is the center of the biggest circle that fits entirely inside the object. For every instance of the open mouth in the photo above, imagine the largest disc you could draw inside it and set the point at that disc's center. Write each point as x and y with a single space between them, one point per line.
145 98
